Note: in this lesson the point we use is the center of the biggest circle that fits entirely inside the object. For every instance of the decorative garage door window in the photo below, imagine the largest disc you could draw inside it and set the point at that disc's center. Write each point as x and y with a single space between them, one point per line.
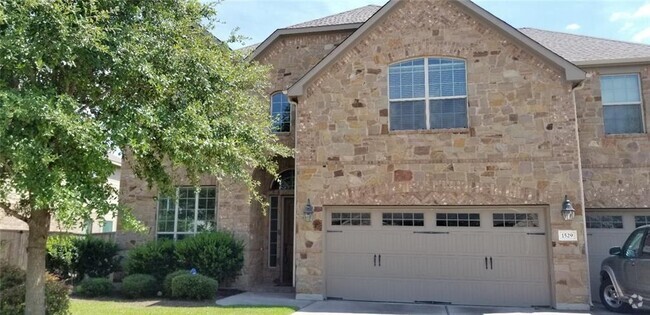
351 218
402 219
604 221
458 219
428 93
190 212
515 220
641 220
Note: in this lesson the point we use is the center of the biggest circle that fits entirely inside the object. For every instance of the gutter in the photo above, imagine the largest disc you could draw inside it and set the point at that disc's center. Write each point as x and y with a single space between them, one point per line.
614 62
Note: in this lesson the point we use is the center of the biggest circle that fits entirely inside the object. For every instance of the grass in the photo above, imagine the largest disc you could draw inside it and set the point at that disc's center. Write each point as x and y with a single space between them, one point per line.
165 307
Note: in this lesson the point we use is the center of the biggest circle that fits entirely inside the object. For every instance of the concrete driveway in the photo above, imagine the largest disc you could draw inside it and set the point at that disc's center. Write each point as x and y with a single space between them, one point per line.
334 307
362 308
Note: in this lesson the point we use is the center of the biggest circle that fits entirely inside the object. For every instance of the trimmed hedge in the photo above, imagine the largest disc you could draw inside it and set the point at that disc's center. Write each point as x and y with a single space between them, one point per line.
75 257
157 258
218 255
167 283
139 286
195 287
93 287
12 292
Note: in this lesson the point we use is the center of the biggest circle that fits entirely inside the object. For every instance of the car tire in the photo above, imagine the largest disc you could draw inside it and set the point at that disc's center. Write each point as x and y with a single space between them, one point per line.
609 298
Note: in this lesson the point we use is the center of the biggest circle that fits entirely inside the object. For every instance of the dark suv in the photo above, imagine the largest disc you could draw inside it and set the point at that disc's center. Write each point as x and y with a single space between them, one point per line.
625 276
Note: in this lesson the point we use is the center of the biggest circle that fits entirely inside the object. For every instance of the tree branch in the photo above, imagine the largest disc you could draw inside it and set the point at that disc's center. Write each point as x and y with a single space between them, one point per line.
7 209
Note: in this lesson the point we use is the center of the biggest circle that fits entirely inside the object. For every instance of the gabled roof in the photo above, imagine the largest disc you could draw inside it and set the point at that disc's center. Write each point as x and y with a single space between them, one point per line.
586 50
572 72
358 15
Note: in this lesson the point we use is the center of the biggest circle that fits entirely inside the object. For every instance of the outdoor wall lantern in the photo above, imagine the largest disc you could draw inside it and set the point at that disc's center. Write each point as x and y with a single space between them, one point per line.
308 211
568 213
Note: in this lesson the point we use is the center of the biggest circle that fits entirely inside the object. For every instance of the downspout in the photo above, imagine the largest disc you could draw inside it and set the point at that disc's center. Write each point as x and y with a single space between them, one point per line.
581 86
294 105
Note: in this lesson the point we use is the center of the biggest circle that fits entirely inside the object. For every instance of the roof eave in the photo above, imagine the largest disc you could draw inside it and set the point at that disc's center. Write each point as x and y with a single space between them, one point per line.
614 62
571 71
300 30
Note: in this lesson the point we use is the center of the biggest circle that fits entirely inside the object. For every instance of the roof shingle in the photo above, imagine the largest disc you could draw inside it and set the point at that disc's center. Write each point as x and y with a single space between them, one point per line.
358 15
580 48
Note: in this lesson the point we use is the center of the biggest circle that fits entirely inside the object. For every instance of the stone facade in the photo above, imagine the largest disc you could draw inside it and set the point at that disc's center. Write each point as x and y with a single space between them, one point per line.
533 137
616 168
521 146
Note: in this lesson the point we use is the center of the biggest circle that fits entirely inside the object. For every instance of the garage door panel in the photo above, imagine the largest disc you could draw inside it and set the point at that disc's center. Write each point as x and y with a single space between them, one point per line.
606 229
432 263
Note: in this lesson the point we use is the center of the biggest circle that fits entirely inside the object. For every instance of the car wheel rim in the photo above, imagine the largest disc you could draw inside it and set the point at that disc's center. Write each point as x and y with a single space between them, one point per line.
611 297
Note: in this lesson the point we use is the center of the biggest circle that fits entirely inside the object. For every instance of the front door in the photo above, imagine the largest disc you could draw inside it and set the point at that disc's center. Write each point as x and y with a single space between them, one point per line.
287 241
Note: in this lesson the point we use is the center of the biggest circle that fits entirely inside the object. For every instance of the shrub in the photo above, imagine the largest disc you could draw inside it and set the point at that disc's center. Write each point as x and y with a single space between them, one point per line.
12 292
167 284
96 258
92 287
218 255
139 285
61 254
196 287
155 258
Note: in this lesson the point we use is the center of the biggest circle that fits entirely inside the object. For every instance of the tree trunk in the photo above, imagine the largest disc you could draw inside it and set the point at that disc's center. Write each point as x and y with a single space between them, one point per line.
39 226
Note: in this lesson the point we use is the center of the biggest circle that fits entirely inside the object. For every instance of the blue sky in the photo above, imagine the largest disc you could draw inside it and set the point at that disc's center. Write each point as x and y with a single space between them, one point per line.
627 20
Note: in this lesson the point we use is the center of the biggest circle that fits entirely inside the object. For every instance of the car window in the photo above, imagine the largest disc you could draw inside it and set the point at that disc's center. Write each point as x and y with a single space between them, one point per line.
645 251
633 244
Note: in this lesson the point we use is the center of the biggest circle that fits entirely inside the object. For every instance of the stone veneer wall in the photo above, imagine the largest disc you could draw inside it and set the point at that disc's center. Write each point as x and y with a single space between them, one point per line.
616 168
291 57
233 213
521 146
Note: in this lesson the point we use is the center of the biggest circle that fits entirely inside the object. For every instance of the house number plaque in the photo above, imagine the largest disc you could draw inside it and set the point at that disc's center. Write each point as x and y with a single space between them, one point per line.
567 235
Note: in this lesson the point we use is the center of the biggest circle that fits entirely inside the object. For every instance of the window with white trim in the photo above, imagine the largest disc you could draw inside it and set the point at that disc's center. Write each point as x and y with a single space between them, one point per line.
428 93
622 103
280 112
191 211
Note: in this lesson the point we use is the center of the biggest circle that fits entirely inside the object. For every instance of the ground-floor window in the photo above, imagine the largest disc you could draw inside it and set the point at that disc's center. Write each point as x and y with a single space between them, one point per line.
191 211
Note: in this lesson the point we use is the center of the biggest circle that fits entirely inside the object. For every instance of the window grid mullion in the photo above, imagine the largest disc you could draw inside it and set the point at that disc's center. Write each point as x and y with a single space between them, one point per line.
175 232
622 104
426 93
196 208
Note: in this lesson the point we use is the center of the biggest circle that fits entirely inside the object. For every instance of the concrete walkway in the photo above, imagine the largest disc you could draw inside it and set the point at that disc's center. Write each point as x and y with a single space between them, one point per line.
333 307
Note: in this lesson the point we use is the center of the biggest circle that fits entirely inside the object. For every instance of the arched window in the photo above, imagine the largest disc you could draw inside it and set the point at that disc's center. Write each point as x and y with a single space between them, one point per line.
428 93
284 182
280 112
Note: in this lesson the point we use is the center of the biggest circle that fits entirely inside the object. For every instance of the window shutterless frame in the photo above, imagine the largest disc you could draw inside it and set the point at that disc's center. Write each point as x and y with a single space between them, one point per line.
427 97
639 103
275 124
175 233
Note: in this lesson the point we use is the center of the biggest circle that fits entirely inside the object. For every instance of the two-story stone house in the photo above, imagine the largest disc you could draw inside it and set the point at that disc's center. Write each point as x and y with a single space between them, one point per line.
435 145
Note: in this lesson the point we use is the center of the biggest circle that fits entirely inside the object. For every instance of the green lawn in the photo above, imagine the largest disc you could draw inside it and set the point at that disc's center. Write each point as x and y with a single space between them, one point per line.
79 307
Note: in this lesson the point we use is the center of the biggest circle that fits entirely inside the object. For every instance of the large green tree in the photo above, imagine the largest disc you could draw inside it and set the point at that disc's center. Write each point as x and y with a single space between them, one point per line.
79 79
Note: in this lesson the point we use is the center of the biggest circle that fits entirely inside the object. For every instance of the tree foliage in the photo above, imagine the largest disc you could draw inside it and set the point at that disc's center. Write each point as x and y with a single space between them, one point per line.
79 79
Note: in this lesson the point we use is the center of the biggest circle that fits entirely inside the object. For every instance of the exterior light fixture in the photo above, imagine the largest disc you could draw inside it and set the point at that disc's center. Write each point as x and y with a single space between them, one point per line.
568 213
308 211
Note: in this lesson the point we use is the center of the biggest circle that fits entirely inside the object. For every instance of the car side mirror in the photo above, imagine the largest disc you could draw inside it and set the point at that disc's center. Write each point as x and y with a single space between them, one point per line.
615 250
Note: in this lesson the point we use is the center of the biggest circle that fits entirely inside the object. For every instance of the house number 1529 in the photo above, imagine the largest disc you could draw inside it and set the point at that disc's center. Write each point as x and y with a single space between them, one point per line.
568 235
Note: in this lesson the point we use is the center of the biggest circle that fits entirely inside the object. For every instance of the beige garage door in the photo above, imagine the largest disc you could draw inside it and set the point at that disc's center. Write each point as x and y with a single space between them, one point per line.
606 229
470 256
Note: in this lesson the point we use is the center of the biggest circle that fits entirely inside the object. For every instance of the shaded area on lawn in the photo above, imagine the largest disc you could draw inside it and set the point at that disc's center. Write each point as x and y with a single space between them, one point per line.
168 307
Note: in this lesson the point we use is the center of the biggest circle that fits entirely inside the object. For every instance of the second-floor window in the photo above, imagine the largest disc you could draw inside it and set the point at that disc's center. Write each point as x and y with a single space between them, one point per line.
622 104
280 112
428 93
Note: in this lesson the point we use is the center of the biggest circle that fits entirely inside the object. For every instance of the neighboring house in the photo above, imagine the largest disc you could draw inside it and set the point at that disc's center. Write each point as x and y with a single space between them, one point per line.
435 144
9 223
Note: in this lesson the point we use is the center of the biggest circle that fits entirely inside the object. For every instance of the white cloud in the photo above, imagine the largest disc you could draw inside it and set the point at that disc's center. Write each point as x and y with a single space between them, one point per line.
642 36
573 27
635 22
